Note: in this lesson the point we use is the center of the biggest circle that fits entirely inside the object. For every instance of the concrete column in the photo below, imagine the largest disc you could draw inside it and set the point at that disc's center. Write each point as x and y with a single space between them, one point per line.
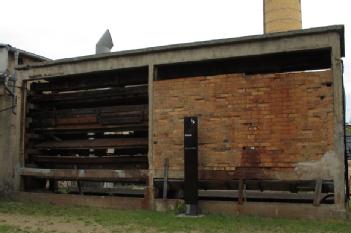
4 56
9 121
339 128
150 188
5 128
7 136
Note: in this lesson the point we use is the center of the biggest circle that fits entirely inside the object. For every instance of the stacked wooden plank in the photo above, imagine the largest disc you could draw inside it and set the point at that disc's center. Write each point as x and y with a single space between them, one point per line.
91 121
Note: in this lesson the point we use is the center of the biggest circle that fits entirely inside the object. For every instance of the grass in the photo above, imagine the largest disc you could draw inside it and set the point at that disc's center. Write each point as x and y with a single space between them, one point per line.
8 229
150 221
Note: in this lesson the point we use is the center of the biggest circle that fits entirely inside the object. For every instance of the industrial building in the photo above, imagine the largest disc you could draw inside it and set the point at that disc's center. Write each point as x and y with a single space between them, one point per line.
9 58
110 129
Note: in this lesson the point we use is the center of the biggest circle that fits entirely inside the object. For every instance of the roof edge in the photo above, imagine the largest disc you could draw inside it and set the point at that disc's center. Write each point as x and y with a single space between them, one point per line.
26 53
340 29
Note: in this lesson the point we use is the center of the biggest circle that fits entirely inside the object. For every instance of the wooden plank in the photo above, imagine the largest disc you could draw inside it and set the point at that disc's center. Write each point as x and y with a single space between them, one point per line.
88 111
97 143
89 160
87 152
165 179
135 175
91 128
116 191
129 114
93 102
253 194
135 117
262 185
317 192
241 192
92 81
87 94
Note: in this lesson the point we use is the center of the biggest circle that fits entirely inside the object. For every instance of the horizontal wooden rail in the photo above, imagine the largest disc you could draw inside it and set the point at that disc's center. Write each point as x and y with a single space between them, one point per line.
88 174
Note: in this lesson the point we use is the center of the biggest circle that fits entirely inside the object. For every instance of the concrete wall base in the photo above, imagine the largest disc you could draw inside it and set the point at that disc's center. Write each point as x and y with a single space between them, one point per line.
264 209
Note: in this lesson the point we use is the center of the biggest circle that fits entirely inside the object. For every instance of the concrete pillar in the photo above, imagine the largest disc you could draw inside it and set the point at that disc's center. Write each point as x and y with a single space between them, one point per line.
339 129
149 197
8 142
4 56
7 134
282 15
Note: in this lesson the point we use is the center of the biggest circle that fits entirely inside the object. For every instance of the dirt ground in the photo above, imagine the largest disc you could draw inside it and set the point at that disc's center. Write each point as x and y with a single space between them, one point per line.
28 217
50 224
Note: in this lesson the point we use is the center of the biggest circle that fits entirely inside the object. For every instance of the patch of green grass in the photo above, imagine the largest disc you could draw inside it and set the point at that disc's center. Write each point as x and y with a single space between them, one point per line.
169 222
9 229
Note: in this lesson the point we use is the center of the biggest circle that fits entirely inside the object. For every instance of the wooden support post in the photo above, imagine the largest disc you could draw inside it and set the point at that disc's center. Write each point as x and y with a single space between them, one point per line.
241 192
317 192
53 186
165 179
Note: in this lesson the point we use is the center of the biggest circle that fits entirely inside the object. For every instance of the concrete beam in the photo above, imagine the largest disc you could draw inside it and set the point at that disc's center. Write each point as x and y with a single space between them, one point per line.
264 209
231 48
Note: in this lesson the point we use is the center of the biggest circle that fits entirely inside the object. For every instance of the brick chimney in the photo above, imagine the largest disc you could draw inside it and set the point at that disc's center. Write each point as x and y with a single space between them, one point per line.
282 15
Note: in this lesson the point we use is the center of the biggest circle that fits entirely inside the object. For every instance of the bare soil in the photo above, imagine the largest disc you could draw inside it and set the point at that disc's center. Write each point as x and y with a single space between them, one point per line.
50 224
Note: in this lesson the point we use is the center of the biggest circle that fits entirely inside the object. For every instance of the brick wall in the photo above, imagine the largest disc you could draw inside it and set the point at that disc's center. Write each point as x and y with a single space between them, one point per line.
261 121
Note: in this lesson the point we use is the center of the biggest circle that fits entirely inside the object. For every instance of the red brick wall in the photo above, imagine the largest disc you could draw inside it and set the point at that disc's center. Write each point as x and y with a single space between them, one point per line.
264 121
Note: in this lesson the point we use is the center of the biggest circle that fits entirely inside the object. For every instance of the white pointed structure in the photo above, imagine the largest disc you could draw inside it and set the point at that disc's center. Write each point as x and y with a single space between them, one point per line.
105 44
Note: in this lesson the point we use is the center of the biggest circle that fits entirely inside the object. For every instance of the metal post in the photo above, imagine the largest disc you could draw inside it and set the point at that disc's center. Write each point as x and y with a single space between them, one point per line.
191 165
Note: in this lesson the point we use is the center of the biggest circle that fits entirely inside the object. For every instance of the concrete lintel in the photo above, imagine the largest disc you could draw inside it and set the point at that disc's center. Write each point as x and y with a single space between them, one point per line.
270 36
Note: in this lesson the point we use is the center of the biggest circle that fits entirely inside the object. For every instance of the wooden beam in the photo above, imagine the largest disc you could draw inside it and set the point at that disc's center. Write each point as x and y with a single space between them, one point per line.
88 94
92 128
88 159
87 111
94 80
317 193
97 143
241 192
254 194
88 175
165 179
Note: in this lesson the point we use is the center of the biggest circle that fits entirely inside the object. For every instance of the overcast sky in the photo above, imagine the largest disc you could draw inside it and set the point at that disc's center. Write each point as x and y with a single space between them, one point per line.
69 28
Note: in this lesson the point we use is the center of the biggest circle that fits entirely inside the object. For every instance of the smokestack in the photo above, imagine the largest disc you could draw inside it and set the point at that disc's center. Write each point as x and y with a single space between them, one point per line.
282 15
105 44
